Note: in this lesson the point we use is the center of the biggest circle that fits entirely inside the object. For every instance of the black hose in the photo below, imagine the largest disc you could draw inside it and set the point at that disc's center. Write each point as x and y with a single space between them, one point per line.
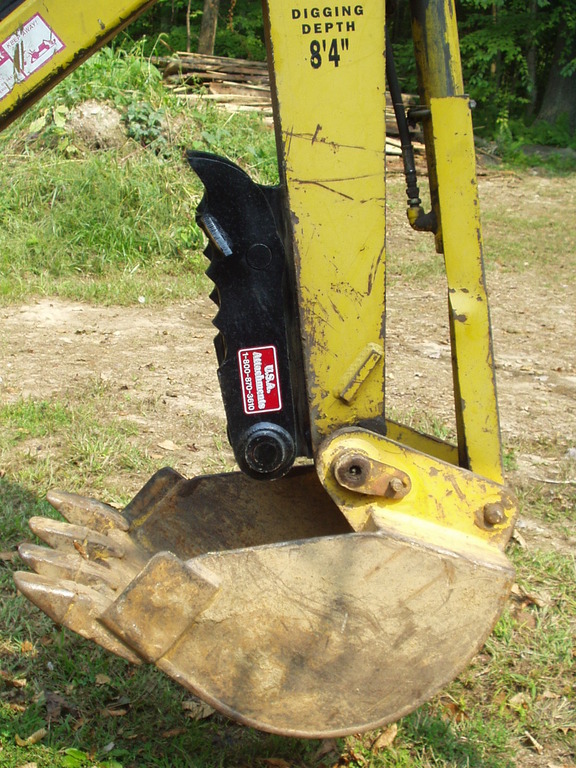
412 191
418 218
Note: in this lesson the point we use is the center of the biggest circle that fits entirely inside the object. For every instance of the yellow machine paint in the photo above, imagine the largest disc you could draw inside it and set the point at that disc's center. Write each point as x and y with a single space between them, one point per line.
453 191
332 159
476 405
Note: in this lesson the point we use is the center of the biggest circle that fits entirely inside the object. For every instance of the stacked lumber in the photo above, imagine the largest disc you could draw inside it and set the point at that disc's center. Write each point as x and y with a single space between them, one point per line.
238 85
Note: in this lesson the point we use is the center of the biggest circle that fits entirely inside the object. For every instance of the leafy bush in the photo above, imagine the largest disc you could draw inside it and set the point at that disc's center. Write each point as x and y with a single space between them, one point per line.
546 134
144 124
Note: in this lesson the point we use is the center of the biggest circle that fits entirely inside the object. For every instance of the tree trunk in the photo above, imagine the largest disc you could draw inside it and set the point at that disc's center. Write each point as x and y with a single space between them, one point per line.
496 66
532 60
207 36
560 92
188 32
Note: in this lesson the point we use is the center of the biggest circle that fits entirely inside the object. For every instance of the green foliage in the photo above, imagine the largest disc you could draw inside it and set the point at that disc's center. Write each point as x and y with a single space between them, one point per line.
76 758
113 75
507 53
494 62
540 144
546 134
144 124
242 34
508 49
162 30
171 41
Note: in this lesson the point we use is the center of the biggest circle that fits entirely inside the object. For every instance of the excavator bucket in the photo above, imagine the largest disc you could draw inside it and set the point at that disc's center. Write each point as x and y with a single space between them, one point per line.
263 601
353 567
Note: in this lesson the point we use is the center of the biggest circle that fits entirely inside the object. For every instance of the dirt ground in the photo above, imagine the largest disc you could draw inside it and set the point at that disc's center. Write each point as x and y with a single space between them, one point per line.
161 362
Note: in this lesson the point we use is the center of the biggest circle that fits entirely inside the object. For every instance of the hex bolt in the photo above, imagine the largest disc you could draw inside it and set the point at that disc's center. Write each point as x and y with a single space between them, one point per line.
493 514
396 486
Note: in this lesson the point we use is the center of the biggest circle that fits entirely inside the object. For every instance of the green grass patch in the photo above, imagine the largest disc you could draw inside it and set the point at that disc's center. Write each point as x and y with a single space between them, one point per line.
44 444
99 220
83 223
32 418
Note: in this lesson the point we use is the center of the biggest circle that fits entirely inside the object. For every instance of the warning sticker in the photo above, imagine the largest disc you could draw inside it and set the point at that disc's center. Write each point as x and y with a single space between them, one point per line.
25 51
260 382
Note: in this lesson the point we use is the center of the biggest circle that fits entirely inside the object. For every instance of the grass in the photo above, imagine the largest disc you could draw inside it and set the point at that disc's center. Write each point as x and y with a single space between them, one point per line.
118 226
102 707
46 443
85 224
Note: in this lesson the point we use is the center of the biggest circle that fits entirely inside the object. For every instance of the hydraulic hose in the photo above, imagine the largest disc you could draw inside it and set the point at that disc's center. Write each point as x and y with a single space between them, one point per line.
416 216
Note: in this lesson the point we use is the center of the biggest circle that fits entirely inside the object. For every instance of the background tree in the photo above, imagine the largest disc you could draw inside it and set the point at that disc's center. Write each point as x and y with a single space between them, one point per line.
232 28
559 92
208 27
519 56
520 60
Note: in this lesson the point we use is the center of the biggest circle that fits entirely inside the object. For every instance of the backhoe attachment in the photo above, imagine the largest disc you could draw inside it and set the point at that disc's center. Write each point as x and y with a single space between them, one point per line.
354 566
262 599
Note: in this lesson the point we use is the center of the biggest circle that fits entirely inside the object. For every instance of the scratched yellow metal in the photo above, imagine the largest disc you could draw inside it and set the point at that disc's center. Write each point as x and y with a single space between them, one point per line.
447 497
453 192
329 89
42 41
477 408
435 34
439 68
410 437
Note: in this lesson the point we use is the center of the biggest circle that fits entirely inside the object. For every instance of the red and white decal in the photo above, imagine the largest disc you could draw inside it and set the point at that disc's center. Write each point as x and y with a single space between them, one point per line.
260 381
26 50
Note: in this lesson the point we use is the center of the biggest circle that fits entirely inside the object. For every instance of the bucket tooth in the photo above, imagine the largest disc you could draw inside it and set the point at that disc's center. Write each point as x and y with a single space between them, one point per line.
74 606
89 512
56 564
79 538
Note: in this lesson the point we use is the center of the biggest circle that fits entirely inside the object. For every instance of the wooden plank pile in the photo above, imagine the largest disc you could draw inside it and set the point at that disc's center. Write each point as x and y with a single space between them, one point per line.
238 85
